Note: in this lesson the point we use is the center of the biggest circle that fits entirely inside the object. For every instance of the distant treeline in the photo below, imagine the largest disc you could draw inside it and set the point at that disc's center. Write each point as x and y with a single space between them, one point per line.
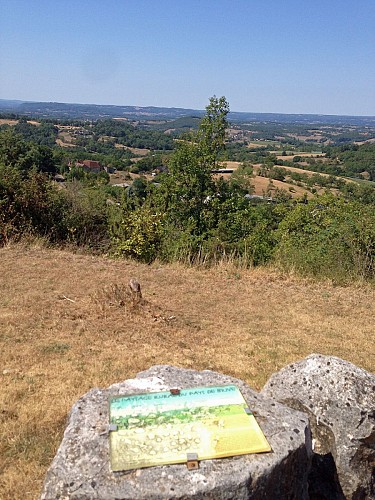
97 111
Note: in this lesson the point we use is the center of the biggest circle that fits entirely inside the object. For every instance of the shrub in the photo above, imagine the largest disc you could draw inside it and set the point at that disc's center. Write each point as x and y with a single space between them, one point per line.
30 204
328 237
86 216
136 233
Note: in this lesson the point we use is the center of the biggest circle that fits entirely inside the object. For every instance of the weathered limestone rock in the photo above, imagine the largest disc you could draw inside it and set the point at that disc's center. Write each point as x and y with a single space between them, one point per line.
81 468
340 400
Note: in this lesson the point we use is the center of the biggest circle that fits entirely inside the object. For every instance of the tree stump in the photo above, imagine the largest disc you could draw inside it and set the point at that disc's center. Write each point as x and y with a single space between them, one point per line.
135 289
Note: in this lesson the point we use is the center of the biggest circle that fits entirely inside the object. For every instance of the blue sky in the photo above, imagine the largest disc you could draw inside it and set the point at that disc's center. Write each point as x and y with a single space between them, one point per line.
282 56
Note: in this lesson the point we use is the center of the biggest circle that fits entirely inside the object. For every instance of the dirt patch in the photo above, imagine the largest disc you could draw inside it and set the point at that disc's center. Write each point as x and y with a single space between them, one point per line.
63 144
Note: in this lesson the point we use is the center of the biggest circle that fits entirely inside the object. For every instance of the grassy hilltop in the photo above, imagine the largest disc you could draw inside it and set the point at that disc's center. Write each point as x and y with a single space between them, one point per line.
67 326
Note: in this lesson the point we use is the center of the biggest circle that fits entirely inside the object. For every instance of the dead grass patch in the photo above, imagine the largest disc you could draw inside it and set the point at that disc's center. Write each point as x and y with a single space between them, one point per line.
139 151
261 185
231 164
4 121
246 323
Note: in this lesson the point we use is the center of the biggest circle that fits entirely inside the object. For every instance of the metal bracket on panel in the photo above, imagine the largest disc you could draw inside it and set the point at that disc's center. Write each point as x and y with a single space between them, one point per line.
192 461
109 428
175 392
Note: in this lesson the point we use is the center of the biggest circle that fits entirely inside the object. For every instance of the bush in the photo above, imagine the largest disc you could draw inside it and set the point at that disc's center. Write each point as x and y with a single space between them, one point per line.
328 238
86 216
30 205
243 233
136 233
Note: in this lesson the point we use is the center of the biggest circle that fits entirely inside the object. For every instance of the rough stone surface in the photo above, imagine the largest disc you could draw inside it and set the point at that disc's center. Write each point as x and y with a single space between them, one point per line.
81 468
340 400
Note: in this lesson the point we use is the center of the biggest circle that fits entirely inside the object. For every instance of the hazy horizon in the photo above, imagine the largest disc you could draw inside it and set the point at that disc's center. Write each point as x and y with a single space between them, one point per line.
265 57
181 107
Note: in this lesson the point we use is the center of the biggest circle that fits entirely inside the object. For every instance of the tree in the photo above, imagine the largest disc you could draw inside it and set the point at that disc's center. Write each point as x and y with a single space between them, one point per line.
12 149
241 180
15 152
189 187
212 130
138 190
177 215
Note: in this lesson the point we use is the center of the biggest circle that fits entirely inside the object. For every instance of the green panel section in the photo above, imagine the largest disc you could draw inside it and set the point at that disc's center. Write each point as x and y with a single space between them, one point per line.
161 428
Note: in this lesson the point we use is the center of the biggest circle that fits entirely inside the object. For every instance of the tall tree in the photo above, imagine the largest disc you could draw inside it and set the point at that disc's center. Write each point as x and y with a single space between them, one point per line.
189 187
182 207
212 130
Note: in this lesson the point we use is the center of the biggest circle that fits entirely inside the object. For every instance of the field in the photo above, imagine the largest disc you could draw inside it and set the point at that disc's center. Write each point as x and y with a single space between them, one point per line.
139 151
65 139
4 121
261 184
65 330
287 157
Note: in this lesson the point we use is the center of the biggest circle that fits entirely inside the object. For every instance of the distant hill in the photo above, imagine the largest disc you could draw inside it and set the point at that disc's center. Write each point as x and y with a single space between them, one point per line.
93 111
96 111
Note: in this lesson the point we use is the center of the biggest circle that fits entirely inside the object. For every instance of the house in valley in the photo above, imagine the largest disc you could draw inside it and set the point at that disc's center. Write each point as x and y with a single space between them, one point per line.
90 166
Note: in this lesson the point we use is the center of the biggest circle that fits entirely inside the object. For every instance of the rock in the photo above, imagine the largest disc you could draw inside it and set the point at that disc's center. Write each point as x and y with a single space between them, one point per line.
81 467
340 400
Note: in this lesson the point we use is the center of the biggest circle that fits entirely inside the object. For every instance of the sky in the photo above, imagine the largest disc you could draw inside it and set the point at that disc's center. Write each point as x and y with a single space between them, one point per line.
272 56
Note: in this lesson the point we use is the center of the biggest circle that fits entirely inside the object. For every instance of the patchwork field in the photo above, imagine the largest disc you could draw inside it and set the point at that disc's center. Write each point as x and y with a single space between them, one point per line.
261 184
65 328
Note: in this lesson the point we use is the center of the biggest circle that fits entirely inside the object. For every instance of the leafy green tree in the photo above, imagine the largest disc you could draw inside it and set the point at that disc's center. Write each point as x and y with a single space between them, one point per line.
278 174
241 180
12 149
76 173
15 152
138 191
189 188
41 158
212 130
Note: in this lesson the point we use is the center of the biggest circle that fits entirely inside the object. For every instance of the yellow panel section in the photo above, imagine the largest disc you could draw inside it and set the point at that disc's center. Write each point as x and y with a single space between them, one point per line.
167 433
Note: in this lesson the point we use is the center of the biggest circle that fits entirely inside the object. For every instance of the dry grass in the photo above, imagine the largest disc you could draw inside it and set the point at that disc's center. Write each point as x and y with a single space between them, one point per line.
66 325
303 171
139 151
279 156
231 164
261 185
4 121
